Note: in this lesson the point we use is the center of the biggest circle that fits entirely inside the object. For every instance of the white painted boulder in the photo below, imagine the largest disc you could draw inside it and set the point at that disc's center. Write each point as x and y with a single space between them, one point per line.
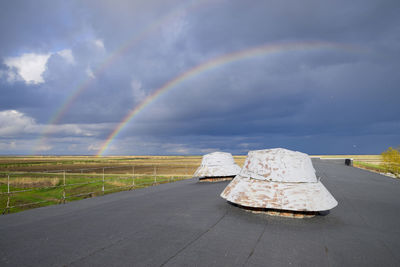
217 166
279 179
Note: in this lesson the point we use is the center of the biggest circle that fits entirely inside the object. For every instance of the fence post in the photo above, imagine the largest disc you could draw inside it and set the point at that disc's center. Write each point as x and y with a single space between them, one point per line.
8 195
103 183
155 175
133 176
63 187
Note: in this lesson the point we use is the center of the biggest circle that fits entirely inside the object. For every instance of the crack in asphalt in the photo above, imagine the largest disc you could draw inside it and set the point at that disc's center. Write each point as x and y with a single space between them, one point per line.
101 249
194 240
254 247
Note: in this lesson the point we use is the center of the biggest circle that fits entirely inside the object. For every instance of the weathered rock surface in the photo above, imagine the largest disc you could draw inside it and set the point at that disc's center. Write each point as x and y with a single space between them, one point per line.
279 179
217 164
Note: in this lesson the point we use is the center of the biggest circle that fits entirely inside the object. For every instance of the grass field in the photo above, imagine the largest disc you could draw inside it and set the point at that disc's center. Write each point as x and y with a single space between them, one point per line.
35 181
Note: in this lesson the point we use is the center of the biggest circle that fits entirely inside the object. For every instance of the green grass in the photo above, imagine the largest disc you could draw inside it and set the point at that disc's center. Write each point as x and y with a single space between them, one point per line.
42 178
77 186
369 166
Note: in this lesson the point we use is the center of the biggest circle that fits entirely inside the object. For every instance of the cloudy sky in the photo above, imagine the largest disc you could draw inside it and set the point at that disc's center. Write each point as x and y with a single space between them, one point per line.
321 77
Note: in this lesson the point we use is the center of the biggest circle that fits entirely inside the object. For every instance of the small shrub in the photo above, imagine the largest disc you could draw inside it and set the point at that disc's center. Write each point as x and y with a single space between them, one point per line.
391 160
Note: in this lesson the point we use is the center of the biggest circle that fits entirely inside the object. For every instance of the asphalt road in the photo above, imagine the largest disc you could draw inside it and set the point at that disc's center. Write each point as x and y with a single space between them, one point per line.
187 224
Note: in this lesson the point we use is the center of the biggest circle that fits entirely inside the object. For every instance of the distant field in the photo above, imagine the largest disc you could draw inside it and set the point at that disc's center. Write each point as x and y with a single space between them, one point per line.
73 163
35 181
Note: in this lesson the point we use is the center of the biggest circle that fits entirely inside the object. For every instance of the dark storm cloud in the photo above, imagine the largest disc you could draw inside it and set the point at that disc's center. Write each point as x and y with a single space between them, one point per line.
37 25
266 21
314 100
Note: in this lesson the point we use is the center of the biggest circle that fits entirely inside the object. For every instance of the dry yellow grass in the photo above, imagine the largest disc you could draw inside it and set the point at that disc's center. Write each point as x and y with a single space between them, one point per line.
165 165
117 183
27 182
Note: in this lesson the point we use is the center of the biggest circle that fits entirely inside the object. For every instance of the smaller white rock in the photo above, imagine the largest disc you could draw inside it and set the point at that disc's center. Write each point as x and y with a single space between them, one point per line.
217 164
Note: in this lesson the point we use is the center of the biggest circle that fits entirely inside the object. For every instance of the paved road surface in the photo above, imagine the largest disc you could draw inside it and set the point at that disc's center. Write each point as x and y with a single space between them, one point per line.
187 224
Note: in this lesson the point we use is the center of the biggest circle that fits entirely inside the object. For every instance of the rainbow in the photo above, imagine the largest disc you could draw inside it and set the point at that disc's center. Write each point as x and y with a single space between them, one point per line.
212 64
118 53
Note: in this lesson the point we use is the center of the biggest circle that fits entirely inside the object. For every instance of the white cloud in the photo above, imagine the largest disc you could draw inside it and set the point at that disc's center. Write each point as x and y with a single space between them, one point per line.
29 66
90 73
42 148
99 43
137 91
14 123
176 148
176 28
10 76
94 147
69 129
13 144
67 55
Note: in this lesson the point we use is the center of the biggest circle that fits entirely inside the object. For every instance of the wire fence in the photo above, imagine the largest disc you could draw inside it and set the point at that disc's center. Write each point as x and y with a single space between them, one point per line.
24 190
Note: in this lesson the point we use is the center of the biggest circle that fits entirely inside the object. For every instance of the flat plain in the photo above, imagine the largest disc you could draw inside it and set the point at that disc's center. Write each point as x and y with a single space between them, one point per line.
33 181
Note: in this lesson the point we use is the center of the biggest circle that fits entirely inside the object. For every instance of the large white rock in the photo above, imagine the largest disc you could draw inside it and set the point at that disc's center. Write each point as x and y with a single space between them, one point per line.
279 179
217 164
279 165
